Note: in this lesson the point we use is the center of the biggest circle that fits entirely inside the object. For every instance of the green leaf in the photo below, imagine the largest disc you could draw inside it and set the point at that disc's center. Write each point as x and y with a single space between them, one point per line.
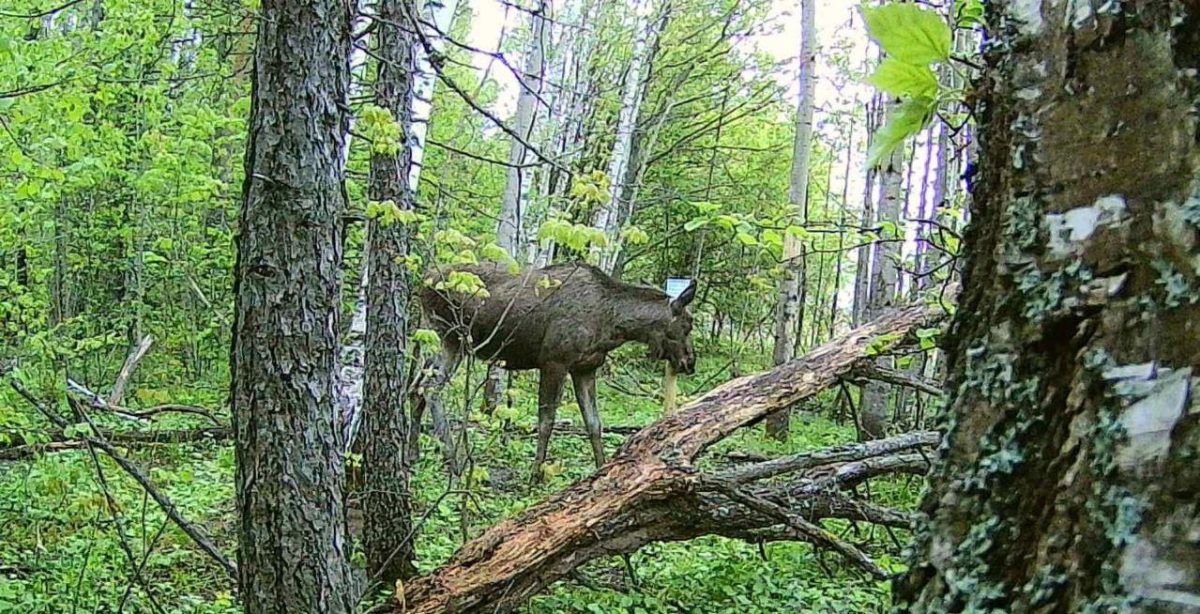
907 119
888 228
695 223
747 239
426 336
909 33
969 13
901 79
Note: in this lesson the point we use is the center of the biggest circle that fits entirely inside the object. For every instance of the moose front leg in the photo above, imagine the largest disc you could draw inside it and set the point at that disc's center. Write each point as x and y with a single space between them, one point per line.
585 395
549 395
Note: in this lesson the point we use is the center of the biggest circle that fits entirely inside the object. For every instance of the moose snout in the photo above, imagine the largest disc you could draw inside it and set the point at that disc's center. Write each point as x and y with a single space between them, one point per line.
686 364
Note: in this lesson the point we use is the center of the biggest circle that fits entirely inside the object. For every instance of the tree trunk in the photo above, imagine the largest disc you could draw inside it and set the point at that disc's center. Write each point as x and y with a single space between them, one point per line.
351 356
862 257
1069 479
645 492
607 217
885 280
293 555
387 503
514 202
516 189
787 311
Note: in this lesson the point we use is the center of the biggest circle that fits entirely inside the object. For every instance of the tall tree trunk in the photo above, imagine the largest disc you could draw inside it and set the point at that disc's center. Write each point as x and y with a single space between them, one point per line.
885 281
287 284
350 368
387 503
439 13
1068 480
516 189
514 202
862 257
607 217
787 311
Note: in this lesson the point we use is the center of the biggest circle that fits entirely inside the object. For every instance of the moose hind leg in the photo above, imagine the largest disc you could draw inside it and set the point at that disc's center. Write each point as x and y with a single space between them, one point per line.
443 371
549 395
585 395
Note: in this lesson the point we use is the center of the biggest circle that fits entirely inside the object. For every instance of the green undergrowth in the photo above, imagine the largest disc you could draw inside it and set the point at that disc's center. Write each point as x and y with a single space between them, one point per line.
61 539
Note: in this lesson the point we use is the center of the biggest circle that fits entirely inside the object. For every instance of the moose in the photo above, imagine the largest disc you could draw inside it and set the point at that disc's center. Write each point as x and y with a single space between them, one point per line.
561 320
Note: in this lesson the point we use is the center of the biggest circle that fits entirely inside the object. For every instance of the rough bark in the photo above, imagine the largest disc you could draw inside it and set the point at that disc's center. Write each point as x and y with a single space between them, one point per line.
387 503
885 280
436 17
293 555
621 506
788 308
1068 481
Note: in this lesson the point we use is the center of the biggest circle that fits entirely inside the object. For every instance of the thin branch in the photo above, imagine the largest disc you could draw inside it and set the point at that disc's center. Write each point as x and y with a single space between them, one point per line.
868 370
162 500
40 14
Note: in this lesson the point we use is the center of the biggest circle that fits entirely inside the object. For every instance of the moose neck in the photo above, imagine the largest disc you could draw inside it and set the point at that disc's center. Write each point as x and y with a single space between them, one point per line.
641 315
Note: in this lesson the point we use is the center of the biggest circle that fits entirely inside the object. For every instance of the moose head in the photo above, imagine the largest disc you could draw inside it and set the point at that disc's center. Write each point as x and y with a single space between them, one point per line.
673 342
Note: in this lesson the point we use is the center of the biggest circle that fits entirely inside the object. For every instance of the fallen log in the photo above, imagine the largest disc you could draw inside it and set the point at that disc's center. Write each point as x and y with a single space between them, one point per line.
651 491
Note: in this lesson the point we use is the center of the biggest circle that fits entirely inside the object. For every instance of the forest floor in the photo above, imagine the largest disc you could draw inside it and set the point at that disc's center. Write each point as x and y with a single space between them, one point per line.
68 548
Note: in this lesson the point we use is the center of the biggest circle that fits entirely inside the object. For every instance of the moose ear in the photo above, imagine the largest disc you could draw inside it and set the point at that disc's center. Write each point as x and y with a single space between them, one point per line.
684 297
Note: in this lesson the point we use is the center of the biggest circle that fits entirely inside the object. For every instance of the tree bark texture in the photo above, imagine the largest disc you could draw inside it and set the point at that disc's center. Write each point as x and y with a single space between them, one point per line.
788 309
387 504
630 500
874 415
293 555
608 215
1068 480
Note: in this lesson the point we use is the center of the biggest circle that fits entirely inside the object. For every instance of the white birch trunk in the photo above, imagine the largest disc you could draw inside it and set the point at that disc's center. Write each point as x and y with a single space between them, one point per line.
513 207
788 308
885 279
607 217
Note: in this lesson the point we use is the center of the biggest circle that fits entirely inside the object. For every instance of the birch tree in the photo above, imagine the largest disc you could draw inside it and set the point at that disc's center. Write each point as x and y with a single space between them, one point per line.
437 17
514 205
885 280
788 310
1067 480
608 214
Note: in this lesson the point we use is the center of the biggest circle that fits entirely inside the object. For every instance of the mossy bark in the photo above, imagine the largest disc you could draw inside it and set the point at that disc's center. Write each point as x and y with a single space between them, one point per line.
1068 478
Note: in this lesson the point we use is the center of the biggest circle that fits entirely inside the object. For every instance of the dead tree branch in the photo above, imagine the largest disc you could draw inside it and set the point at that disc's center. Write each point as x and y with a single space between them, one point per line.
651 490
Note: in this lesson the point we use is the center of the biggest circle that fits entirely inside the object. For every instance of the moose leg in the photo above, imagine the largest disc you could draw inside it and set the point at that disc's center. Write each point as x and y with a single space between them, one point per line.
585 395
549 395
442 373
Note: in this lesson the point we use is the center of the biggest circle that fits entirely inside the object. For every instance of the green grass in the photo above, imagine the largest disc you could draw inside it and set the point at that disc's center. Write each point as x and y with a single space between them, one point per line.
60 550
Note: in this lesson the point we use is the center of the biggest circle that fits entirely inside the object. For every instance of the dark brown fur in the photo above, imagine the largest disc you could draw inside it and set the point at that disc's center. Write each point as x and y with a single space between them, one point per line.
561 320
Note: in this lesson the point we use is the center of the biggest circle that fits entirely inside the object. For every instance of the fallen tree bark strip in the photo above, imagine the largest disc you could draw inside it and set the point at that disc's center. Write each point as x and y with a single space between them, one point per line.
607 512
868 370
846 453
